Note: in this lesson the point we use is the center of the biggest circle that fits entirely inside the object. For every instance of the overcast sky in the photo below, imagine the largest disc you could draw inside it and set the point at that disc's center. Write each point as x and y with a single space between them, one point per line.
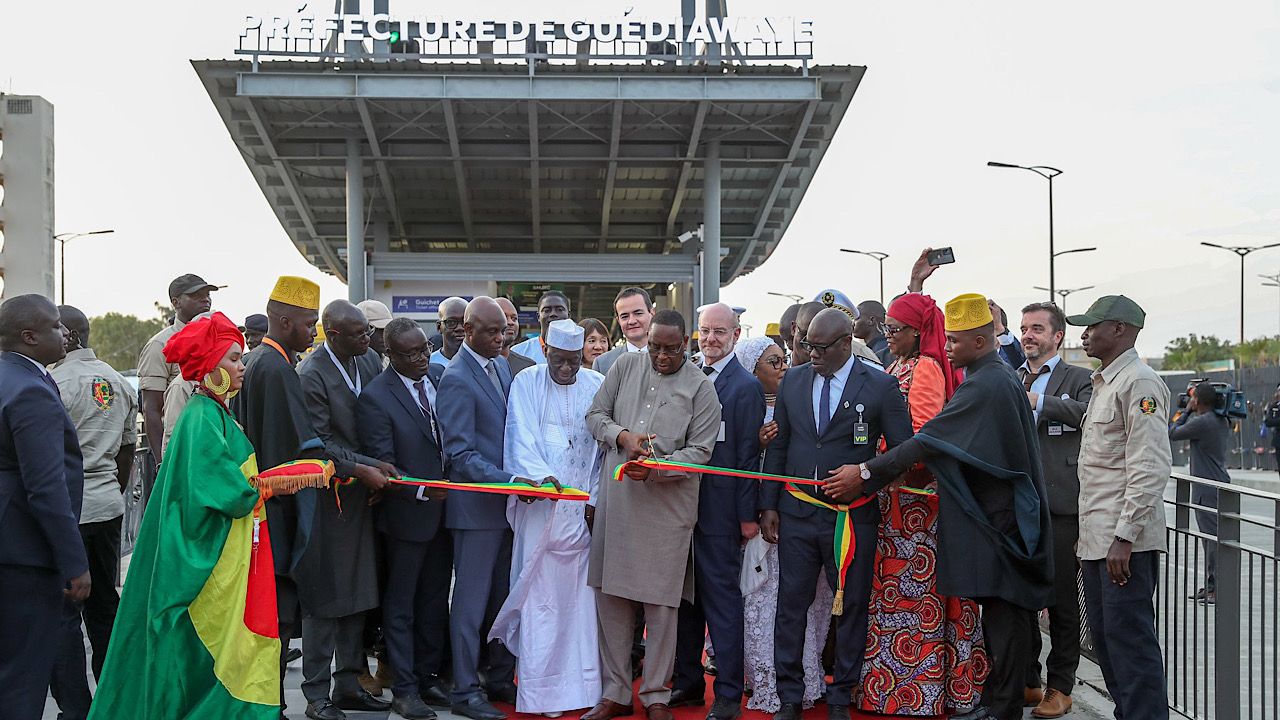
1163 116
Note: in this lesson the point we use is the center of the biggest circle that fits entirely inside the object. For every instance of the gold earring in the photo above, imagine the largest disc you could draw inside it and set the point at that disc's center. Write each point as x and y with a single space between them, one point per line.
222 387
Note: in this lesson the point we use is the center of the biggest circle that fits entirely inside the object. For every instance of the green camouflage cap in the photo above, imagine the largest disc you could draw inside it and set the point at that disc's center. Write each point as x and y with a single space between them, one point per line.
1110 307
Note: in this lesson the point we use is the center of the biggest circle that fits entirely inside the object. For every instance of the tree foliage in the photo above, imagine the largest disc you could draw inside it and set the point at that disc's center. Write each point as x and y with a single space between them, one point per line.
1194 352
117 339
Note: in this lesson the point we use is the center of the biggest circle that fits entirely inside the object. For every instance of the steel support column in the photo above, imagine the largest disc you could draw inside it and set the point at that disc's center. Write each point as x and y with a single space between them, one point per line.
711 224
356 285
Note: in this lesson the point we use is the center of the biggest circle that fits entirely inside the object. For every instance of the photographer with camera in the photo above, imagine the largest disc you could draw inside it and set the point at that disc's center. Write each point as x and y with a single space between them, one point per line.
1205 424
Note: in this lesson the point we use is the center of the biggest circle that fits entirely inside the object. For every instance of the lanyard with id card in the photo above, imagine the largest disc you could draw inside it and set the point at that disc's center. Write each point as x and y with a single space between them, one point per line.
861 431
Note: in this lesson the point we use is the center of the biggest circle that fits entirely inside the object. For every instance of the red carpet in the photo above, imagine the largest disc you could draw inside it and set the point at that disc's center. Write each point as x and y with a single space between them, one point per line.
817 712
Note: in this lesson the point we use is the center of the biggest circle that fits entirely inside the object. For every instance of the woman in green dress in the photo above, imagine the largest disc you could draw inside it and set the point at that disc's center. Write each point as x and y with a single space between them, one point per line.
195 635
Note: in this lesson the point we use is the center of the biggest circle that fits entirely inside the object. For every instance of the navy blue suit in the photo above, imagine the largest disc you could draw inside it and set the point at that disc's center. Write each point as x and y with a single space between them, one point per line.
473 418
723 504
805 534
41 489
415 607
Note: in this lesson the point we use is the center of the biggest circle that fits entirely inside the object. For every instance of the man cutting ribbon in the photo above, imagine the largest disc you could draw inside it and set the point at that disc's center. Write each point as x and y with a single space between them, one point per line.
650 404
831 414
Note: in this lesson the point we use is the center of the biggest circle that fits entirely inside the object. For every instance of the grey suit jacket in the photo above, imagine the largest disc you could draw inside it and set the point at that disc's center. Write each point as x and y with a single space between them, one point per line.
1065 400
519 362
606 361
336 422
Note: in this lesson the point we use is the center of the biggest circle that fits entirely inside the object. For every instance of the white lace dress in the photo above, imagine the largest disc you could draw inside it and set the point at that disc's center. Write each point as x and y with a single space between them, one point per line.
760 608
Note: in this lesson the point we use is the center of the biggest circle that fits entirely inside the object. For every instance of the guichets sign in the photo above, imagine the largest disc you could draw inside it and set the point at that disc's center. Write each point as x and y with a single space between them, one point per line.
435 35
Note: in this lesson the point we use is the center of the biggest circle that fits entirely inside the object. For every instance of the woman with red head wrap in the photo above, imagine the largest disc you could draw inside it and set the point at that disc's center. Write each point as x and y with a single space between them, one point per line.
947 673
196 632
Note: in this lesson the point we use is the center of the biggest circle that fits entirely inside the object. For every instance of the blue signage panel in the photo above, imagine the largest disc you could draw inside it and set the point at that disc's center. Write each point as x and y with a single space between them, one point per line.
418 303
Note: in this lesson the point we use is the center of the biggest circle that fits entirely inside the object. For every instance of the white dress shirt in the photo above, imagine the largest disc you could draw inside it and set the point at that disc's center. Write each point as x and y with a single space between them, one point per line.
429 412
718 366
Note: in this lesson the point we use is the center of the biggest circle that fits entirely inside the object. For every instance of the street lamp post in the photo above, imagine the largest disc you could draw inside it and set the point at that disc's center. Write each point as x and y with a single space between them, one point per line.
1242 251
878 257
1063 293
794 298
63 239
1049 174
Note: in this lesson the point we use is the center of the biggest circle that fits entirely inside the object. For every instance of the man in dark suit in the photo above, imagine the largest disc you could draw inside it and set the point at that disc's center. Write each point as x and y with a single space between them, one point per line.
831 414
42 558
473 416
337 574
517 361
1059 393
397 416
726 515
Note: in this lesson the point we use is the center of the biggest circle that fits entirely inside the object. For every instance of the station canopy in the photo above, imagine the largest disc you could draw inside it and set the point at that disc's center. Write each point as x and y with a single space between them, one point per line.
530 171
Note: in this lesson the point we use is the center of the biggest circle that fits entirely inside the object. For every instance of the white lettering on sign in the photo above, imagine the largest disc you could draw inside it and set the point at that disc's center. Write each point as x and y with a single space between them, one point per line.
627 36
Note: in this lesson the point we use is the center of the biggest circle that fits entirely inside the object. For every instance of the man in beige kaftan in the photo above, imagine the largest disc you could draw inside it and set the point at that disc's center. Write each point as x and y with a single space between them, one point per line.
657 405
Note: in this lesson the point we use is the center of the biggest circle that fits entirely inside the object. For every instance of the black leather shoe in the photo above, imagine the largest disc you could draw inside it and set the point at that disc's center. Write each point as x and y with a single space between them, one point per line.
789 711
687 698
837 712
435 697
294 654
411 707
709 667
324 710
477 708
725 709
501 692
361 700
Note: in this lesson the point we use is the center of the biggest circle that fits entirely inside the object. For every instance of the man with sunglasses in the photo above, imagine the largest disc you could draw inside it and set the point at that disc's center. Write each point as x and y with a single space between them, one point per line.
831 415
337 574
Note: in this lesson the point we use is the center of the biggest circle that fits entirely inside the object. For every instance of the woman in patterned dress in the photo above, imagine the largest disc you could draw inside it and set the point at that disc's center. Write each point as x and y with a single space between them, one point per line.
924 651
765 360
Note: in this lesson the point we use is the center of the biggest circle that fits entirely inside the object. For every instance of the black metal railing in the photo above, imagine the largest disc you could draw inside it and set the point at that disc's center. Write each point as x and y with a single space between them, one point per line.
1221 652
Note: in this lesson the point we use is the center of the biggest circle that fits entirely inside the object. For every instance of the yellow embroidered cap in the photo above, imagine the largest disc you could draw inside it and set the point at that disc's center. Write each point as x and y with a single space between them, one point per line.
966 312
296 291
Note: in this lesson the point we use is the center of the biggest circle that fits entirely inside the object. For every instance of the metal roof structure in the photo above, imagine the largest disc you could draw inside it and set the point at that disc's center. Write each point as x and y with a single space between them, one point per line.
515 173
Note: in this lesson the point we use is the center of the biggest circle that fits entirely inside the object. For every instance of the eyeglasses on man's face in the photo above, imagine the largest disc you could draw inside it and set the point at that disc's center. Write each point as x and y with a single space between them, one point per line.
714 332
413 355
820 350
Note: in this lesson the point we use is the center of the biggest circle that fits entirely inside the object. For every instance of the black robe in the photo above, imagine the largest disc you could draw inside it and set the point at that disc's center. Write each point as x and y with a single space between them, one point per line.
994 538
273 412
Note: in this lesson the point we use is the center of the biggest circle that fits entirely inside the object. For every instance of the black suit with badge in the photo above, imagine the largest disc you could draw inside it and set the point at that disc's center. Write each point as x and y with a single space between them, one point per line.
806 532
415 607
1066 397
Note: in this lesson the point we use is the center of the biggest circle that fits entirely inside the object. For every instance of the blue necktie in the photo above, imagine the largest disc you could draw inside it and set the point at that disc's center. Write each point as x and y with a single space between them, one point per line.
824 406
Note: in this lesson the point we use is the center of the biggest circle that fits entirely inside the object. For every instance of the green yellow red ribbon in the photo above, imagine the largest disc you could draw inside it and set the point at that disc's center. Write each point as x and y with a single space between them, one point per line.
846 543
547 490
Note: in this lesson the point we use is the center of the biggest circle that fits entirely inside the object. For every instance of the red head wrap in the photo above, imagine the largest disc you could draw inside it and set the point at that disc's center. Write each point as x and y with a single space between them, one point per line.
201 345
922 313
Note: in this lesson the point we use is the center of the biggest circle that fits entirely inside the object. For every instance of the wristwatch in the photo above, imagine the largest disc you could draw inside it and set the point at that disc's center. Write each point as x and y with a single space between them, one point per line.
866 474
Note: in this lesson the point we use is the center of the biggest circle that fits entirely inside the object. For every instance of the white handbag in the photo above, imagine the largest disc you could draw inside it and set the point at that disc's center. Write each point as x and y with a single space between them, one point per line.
754 568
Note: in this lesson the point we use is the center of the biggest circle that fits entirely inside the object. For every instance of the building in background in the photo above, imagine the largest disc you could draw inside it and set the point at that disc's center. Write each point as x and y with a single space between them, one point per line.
416 157
26 181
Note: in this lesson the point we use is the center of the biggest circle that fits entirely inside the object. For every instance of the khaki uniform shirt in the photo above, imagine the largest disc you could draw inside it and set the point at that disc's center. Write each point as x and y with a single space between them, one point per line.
1124 462
104 411
153 372
175 399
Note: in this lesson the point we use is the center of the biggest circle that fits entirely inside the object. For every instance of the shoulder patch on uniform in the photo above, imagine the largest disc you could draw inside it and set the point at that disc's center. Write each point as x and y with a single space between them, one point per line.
104 396
1147 405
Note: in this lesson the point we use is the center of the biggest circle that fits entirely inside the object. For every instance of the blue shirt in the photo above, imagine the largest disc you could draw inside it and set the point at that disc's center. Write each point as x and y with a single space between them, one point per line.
838 381
1041 382
532 349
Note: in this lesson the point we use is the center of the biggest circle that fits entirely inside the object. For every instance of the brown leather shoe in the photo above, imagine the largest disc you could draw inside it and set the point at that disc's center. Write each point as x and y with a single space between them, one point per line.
1054 705
1031 697
606 709
658 711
